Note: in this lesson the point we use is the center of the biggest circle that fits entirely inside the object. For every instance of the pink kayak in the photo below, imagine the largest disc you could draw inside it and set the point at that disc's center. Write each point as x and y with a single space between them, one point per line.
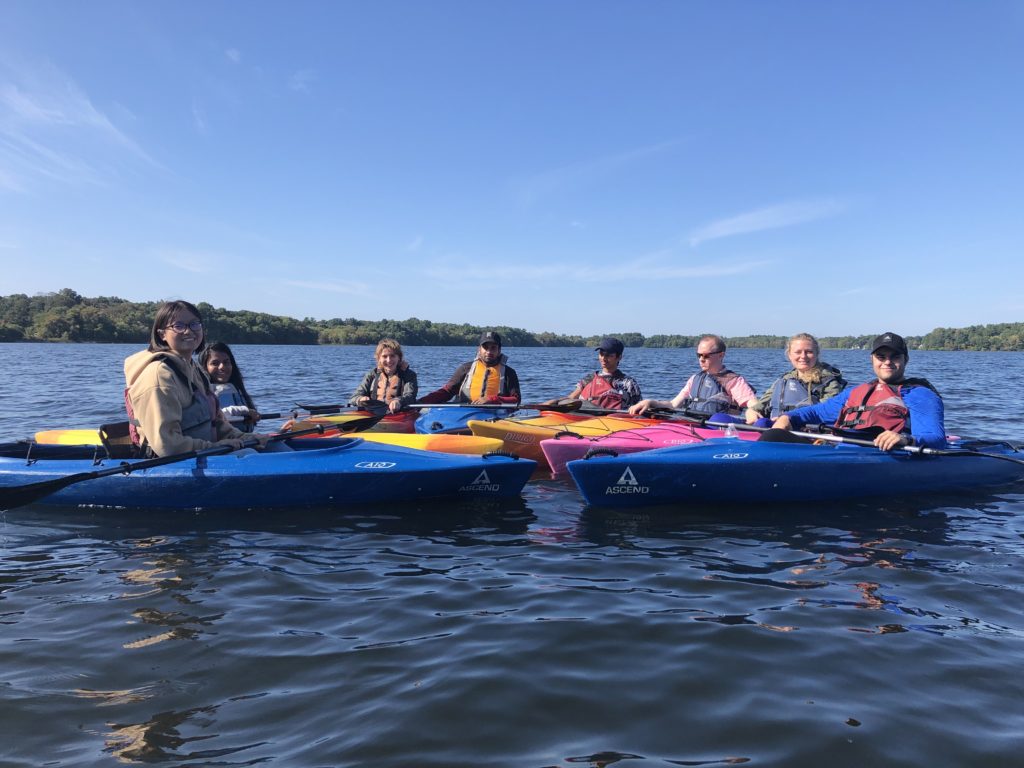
568 447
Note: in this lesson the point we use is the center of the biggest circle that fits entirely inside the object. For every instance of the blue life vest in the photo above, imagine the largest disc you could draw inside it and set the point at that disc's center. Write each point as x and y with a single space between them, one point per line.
228 396
708 395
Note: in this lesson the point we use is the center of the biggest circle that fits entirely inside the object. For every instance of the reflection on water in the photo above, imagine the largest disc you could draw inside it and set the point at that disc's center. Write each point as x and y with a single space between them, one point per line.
537 632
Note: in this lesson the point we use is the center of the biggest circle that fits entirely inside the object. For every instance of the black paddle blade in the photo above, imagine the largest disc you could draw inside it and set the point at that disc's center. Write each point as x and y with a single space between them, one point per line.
21 495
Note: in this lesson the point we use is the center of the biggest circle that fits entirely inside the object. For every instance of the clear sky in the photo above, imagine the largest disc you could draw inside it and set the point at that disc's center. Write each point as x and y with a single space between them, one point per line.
577 166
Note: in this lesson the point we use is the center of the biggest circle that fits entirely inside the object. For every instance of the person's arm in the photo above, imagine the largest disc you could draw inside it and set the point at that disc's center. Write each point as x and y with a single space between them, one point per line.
449 390
927 417
410 387
763 406
362 392
684 394
512 395
741 393
825 412
157 403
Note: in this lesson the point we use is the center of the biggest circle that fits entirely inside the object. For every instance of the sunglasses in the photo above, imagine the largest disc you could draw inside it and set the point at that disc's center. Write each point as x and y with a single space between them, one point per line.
702 356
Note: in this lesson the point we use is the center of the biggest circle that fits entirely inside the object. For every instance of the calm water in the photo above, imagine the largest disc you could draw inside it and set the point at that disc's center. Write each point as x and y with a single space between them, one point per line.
538 633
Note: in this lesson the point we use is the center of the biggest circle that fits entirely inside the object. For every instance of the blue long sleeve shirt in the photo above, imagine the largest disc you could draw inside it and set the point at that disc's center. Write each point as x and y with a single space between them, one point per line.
926 414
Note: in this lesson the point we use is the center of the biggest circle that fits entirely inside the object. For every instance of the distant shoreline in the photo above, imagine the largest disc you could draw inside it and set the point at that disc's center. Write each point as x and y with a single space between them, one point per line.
68 317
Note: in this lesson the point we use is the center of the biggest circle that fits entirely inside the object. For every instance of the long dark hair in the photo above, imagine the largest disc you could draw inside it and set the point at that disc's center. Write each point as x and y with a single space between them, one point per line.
163 317
236 375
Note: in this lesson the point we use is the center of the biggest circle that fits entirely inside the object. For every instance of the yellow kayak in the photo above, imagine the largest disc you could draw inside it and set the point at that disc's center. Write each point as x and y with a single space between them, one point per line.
465 444
523 437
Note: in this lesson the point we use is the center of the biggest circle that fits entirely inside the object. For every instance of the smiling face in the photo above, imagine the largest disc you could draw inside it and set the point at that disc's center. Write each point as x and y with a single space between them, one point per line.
609 361
888 365
388 361
710 356
802 354
219 368
180 336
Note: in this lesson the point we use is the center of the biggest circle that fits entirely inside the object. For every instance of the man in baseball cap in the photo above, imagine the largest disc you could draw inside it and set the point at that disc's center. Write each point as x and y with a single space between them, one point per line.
893 410
608 388
487 379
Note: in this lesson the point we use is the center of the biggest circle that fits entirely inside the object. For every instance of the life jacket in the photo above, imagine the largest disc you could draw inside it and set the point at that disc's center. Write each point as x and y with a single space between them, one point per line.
388 387
789 392
483 381
708 395
875 405
600 392
196 418
227 396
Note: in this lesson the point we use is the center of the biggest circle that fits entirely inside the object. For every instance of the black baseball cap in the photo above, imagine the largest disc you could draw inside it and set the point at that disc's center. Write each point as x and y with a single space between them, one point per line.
891 340
488 337
610 344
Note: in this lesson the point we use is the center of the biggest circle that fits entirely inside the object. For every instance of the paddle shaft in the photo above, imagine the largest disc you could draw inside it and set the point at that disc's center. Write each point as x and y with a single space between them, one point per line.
21 495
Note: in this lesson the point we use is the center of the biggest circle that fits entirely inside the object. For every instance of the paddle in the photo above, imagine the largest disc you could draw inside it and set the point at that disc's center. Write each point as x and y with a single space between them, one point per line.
21 495
567 407
829 438
373 406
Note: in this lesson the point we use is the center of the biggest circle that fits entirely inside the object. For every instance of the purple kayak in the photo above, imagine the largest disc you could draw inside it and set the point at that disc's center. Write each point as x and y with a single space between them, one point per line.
569 447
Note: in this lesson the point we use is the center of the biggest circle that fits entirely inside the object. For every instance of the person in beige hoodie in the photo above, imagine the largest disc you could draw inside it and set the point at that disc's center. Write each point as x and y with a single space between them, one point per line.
168 395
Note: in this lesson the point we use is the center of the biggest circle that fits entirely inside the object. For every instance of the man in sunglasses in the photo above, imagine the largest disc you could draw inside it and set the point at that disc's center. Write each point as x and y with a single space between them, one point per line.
487 379
608 387
892 410
714 392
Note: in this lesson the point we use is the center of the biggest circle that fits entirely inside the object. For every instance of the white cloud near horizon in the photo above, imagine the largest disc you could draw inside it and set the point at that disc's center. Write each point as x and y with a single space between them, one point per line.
768 217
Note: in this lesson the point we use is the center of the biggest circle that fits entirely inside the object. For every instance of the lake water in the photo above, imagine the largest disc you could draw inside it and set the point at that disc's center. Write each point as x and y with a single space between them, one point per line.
533 633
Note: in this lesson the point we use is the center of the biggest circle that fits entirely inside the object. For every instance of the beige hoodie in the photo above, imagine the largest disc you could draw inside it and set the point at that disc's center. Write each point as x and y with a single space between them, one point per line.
158 395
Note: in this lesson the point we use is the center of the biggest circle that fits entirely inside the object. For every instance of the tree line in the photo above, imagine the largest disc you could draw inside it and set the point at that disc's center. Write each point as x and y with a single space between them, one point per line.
69 317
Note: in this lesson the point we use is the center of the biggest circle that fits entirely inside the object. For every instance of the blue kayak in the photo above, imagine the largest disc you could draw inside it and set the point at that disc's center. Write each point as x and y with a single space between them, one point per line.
730 470
326 472
453 419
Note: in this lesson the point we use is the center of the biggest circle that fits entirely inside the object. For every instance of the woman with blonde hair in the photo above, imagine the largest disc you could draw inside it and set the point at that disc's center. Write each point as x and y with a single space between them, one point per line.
392 381
810 382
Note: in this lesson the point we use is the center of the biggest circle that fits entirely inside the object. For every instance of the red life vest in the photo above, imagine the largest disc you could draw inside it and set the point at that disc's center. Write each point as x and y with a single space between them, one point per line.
875 405
600 392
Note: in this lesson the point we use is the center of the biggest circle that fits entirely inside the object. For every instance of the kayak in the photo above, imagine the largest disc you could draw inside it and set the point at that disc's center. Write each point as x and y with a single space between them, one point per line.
569 446
733 470
452 419
321 473
523 437
442 443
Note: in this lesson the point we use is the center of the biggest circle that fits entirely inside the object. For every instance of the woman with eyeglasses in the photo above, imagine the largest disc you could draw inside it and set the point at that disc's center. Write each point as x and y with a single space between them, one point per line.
714 392
811 381
167 394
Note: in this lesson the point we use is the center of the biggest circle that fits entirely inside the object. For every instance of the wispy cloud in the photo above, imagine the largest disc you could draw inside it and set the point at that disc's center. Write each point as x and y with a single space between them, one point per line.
302 80
769 217
653 267
49 128
342 286
199 118
198 262
533 188
233 55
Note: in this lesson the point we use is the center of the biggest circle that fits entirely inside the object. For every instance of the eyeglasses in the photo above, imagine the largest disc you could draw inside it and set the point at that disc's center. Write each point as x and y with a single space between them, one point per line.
702 356
195 326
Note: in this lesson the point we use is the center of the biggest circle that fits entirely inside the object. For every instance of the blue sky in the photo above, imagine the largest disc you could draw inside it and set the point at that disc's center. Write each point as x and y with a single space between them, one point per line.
573 166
